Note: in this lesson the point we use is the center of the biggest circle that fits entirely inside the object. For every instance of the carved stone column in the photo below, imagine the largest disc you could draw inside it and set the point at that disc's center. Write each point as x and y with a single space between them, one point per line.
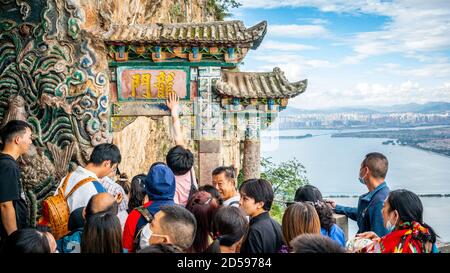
252 153
208 124
252 159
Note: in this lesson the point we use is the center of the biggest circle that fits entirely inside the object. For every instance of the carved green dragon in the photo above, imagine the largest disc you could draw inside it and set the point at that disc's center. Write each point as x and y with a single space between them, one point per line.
47 78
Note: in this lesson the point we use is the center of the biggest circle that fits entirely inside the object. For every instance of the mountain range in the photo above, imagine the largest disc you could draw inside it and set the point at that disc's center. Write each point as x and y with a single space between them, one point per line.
429 107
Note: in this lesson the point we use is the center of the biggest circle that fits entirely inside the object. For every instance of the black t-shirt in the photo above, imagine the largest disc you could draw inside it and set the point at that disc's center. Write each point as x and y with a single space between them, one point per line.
264 235
11 190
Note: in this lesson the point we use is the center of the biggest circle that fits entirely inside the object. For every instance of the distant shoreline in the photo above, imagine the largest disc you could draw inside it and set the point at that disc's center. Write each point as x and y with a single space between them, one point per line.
436 140
445 153
364 127
291 137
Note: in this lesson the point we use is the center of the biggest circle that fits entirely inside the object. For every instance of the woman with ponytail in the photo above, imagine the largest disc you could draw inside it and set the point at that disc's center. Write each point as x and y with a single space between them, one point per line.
229 227
203 206
403 217
328 227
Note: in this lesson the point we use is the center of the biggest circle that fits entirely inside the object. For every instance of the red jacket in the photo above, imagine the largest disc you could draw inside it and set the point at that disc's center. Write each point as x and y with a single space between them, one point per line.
129 231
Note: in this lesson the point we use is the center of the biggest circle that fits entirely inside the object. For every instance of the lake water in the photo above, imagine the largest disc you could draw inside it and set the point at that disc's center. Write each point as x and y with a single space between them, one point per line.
332 165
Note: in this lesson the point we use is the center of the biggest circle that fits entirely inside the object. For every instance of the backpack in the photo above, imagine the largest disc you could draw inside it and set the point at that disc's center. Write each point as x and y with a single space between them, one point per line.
55 210
148 218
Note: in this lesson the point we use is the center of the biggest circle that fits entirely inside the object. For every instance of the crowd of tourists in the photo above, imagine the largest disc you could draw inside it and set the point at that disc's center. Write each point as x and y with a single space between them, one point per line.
166 211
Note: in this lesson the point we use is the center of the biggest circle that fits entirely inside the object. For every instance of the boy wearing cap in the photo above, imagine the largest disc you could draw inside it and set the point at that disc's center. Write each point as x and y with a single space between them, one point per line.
160 190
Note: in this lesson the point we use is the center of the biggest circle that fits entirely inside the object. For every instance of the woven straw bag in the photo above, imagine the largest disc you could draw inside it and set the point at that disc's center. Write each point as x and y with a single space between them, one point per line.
55 210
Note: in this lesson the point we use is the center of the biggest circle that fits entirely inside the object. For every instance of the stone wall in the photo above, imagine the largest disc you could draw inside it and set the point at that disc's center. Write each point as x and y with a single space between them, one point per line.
145 141
342 222
444 247
54 73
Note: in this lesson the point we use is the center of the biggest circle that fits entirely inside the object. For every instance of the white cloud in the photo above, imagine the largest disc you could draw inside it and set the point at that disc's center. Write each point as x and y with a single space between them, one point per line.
415 26
365 93
314 21
429 71
318 63
318 21
388 67
269 4
282 46
414 29
292 60
297 31
293 72
347 6
356 59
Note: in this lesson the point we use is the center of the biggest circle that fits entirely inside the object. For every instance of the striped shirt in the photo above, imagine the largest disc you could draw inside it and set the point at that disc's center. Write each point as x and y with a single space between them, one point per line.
113 188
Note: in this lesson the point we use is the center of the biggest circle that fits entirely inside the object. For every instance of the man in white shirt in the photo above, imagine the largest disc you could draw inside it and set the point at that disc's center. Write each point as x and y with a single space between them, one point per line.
104 160
224 179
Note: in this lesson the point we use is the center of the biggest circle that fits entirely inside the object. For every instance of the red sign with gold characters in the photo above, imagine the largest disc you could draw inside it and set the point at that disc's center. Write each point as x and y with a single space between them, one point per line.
150 83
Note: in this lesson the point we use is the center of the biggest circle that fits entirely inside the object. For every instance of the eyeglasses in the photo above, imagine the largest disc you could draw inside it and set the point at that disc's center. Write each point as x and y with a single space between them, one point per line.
114 169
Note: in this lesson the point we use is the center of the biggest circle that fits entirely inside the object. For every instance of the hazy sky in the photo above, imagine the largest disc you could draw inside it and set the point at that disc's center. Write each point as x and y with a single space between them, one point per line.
355 52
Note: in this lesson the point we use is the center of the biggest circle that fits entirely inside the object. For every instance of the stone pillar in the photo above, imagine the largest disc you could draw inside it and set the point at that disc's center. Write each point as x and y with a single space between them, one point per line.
252 155
208 124
342 222
252 159
209 159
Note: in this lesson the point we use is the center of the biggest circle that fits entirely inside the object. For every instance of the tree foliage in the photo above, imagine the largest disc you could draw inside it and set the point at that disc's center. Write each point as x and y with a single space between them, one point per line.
221 8
285 177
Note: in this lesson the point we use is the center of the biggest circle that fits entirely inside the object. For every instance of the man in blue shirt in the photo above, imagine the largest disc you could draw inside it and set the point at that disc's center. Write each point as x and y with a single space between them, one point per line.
368 213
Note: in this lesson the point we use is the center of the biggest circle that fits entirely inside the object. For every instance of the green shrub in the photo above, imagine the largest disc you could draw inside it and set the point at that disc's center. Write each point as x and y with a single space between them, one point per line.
285 177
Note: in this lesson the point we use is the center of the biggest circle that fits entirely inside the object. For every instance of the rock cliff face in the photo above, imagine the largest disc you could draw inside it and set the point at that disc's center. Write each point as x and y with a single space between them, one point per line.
105 13
147 140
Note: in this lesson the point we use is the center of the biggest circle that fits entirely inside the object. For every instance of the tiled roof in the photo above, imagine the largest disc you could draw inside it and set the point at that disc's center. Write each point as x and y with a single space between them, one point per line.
209 33
259 85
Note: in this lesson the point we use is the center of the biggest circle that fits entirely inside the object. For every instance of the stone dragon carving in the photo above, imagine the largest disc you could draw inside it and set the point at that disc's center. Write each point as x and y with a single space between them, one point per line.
48 78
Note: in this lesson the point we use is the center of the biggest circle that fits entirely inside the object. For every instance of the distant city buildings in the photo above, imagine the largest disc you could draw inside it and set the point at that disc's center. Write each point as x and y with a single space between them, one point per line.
357 120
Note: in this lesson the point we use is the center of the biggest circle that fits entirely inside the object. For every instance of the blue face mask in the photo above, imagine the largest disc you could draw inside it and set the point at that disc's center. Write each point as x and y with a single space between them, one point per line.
361 180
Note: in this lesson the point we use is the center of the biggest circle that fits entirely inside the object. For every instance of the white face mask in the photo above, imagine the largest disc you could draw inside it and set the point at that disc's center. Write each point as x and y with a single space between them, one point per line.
145 236
389 226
